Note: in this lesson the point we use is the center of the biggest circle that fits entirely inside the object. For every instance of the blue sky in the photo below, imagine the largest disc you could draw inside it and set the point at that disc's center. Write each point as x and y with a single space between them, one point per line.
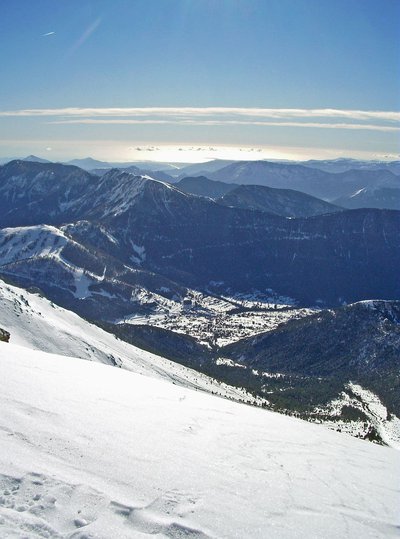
130 79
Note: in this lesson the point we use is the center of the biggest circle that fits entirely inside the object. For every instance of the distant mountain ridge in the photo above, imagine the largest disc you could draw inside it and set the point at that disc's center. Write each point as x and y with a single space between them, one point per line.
344 164
203 186
202 169
36 159
374 197
325 185
90 164
193 241
283 202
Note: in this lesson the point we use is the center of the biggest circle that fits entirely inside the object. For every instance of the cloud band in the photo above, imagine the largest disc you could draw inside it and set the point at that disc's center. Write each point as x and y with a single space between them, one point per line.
277 117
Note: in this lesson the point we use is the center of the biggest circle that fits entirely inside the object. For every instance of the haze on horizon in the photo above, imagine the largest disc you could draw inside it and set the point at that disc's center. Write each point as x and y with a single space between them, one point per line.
193 80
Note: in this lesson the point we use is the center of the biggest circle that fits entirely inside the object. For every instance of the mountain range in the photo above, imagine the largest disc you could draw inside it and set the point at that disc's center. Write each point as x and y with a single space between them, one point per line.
153 226
283 202
345 182
344 164
180 275
326 185
377 190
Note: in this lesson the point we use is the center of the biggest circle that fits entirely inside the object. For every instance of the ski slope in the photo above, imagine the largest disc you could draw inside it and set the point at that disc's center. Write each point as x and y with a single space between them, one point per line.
90 451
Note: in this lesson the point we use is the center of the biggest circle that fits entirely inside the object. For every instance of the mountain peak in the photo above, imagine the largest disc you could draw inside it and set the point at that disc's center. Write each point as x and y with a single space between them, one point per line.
35 159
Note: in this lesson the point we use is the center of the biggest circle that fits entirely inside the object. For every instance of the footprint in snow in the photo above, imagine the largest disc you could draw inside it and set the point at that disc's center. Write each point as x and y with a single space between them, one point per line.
165 516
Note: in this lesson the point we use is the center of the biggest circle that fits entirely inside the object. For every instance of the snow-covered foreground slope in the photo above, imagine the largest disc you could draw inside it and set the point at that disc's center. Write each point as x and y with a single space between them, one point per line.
91 451
37 323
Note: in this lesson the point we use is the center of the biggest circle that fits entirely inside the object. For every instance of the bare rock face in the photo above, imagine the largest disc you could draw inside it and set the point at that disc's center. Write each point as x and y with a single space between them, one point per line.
4 335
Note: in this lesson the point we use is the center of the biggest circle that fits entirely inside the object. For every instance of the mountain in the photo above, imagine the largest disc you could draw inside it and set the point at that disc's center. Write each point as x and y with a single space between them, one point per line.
202 169
358 343
202 186
283 202
357 339
90 164
89 450
155 174
34 322
29 158
160 175
191 240
326 185
128 249
4 160
83 278
178 347
225 244
344 164
35 193
380 197
34 158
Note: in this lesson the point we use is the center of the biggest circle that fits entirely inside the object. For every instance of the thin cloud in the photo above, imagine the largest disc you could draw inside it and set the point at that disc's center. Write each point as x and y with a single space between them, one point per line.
196 112
119 121
85 36
49 34
320 125
386 121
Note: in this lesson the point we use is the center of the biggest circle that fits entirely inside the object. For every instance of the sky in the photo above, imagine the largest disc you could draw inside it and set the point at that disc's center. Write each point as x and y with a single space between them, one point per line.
191 80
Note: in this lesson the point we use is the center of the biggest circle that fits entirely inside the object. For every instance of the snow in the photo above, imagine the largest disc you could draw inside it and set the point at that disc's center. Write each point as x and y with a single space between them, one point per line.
21 243
123 196
363 190
140 252
208 318
82 283
375 412
228 362
38 324
91 451
389 429
44 242
215 327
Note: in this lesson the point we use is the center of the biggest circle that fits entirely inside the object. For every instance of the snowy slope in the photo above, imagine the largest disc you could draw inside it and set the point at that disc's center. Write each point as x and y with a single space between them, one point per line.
21 243
36 323
37 254
90 451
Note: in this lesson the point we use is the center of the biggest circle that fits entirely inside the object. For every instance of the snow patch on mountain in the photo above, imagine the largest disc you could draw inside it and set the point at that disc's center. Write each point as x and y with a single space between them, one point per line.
375 413
140 253
21 243
44 242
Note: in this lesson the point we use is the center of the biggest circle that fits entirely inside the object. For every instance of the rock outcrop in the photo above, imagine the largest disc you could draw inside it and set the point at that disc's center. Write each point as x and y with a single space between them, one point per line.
4 335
